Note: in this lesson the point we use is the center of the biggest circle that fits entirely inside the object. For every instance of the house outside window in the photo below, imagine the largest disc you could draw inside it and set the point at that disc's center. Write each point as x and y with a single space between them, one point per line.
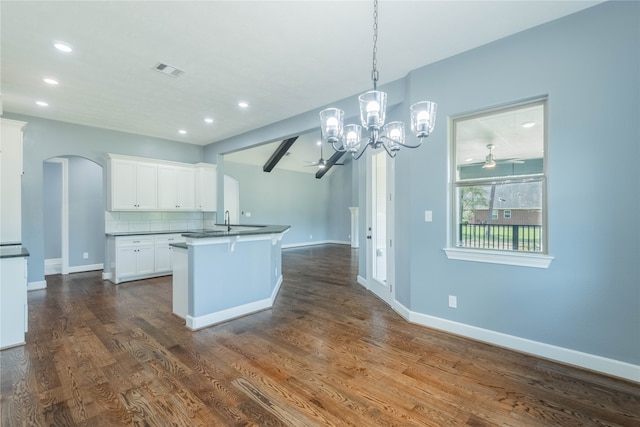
500 167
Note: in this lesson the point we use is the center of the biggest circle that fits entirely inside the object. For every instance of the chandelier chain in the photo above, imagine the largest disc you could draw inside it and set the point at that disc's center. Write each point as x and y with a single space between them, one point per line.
373 104
374 71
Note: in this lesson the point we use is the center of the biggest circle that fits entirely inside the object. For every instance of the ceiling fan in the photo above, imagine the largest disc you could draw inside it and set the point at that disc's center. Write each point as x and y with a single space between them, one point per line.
322 163
491 162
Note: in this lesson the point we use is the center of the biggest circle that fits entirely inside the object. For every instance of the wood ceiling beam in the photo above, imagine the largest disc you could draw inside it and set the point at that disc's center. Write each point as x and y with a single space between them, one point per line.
278 154
332 161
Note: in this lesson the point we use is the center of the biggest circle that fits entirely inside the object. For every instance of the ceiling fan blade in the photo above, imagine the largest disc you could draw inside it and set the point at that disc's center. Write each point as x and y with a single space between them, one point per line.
510 161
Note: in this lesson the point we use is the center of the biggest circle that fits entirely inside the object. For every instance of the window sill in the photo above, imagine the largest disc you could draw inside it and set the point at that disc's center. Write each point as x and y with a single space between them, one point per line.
500 257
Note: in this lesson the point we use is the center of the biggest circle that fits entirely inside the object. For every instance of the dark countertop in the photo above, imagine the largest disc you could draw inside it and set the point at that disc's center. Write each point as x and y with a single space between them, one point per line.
13 251
238 230
146 233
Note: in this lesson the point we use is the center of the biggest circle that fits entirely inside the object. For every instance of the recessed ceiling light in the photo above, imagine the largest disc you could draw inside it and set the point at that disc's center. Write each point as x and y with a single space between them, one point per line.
243 104
469 159
42 103
208 119
63 47
182 132
50 81
319 143
528 124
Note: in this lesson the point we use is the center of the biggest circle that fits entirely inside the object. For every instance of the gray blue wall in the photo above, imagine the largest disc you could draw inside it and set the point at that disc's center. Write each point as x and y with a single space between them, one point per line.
45 139
316 209
86 212
52 206
589 298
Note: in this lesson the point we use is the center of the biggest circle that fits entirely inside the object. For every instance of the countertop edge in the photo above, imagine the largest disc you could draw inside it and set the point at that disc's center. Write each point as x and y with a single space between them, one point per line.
263 229
6 252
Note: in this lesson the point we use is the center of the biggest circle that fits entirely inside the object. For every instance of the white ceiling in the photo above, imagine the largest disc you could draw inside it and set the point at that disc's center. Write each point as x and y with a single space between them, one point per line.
283 57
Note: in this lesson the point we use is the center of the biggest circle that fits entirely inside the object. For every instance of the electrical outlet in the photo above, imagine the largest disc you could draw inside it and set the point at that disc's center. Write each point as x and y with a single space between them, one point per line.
85 255
453 301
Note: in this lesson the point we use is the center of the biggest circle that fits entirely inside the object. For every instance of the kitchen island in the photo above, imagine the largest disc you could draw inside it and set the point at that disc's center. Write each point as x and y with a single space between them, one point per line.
227 272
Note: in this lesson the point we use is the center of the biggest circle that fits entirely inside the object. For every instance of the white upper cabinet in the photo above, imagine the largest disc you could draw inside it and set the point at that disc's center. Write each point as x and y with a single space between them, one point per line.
133 185
137 183
10 181
176 188
206 191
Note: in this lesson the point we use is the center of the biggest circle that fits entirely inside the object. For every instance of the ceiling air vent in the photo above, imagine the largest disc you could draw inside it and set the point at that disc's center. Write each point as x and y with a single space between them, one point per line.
168 70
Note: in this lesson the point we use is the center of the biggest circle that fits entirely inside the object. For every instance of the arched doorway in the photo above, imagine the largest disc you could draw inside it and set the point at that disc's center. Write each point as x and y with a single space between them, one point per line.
73 204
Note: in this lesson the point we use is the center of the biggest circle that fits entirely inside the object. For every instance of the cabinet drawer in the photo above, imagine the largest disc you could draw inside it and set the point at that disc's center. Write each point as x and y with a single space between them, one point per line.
134 241
166 239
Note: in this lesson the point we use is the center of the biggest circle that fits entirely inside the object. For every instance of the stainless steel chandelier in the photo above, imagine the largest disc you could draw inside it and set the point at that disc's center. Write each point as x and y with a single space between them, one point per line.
373 105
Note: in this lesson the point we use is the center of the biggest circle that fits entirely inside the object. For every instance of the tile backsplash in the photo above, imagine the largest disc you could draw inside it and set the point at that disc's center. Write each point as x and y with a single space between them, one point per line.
116 222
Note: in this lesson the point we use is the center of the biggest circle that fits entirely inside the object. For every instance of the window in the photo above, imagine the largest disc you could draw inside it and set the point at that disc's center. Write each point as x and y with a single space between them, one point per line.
500 167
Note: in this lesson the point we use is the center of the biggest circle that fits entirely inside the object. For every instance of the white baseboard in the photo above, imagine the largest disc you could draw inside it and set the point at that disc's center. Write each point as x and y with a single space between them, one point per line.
592 362
35 286
106 276
362 281
315 243
83 268
52 266
199 322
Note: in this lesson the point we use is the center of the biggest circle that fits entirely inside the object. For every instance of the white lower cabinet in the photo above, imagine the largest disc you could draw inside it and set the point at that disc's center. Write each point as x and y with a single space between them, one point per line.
140 257
134 257
164 252
13 303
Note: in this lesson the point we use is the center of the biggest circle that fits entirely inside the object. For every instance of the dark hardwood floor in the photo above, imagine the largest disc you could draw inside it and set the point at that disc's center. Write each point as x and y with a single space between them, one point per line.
328 354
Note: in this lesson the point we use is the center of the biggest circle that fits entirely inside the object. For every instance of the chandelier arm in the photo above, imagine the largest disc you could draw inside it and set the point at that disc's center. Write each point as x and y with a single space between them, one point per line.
410 145
357 155
386 139
339 149
391 153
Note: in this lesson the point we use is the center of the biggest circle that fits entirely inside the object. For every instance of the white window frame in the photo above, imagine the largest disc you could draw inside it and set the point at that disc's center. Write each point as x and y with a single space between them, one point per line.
516 258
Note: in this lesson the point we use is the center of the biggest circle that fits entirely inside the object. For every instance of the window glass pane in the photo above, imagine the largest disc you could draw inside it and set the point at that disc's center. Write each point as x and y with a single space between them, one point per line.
508 142
479 224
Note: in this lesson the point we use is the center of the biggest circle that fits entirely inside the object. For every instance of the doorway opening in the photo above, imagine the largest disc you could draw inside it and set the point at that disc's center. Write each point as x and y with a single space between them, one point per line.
380 226
73 215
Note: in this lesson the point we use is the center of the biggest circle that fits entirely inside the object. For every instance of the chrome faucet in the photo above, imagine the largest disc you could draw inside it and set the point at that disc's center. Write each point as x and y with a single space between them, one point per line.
227 220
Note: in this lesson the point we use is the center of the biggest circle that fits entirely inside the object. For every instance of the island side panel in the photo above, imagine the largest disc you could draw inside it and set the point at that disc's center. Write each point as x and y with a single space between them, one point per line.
180 264
227 275
276 266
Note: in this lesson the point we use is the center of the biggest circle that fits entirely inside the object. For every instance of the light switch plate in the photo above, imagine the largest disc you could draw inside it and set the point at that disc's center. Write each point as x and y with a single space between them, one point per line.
428 216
